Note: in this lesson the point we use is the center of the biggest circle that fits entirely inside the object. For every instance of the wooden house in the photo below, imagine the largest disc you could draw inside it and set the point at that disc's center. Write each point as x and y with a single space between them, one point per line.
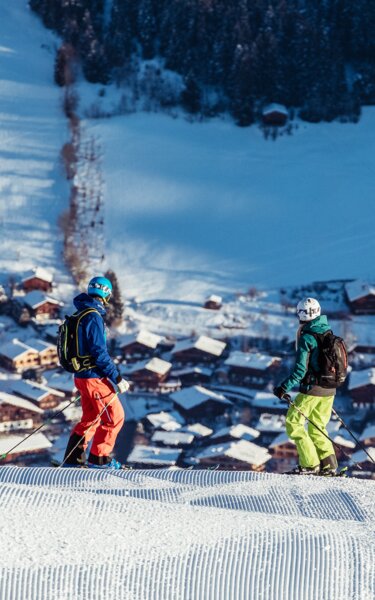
139 345
191 375
149 374
361 297
204 349
366 461
239 454
275 114
213 302
282 447
34 448
361 387
18 356
37 279
47 352
167 421
172 438
198 401
41 306
368 436
252 368
17 413
41 395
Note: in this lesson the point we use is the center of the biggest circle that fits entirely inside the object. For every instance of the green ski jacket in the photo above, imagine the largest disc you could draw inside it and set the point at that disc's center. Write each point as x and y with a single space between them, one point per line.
306 364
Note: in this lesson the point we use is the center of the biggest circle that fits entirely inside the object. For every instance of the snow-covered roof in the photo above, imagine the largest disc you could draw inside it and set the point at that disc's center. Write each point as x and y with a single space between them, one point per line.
169 421
267 401
37 298
203 343
275 107
153 455
39 273
40 345
241 450
214 298
33 390
250 360
361 456
359 289
282 438
361 378
60 380
343 439
239 431
156 365
368 432
19 402
191 397
146 338
14 349
198 430
38 441
173 438
271 423
206 371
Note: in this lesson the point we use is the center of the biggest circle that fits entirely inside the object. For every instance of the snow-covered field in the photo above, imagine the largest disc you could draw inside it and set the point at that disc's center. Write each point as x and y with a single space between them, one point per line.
184 535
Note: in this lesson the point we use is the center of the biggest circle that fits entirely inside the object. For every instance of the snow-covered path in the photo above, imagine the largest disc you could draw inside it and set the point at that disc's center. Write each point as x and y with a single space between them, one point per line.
32 132
179 535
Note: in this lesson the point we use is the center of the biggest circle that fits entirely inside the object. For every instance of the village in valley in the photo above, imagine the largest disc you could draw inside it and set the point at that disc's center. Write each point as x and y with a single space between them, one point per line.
201 377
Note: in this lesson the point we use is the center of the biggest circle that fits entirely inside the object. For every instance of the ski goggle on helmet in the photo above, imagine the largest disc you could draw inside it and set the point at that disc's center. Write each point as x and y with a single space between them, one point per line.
100 286
308 309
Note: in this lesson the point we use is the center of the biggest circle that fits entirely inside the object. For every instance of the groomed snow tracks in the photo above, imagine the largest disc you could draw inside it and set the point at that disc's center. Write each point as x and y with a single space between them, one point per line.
184 535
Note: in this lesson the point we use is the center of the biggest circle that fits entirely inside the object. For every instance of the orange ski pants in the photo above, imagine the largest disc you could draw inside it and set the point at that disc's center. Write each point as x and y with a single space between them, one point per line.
96 395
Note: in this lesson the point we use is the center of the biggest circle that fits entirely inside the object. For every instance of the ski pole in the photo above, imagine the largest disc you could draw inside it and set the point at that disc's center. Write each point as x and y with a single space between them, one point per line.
87 430
291 403
353 436
76 399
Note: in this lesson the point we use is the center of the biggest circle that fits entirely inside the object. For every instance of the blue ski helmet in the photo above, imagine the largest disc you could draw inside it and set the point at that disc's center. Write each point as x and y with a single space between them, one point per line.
100 286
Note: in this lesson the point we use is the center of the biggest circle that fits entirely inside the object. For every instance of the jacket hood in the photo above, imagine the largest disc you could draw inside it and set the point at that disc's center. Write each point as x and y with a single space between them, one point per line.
318 325
83 301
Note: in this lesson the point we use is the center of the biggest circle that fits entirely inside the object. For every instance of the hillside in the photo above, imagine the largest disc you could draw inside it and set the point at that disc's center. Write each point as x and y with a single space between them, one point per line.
168 535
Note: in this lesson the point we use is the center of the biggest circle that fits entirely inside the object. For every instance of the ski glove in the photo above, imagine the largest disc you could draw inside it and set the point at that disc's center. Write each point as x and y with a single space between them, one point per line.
122 386
280 392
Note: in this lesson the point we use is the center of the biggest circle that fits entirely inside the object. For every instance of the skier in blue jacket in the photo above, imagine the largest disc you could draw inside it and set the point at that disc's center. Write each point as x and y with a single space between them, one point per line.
98 385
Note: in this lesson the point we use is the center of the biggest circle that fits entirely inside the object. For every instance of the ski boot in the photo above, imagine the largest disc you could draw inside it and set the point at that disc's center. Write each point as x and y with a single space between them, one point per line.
298 470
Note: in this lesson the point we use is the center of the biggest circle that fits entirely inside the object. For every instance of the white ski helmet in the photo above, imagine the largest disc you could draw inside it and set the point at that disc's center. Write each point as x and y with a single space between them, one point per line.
308 309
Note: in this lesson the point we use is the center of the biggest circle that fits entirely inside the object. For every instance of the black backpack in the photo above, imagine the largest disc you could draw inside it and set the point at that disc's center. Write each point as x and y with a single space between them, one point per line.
67 344
333 360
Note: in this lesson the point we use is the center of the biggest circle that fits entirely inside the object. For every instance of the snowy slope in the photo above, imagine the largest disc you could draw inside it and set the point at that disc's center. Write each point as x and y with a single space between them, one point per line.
179 535
197 208
32 131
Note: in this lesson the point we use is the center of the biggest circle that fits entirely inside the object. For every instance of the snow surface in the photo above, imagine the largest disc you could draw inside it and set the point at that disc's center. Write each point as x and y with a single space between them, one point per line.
184 535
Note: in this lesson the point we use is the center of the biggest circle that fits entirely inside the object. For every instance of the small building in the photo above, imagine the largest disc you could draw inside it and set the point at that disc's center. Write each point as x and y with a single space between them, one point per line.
283 448
361 387
149 374
139 345
167 421
265 401
368 435
18 356
239 454
47 352
361 297
37 279
275 114
17 413
271 423
61 381
252 368
172 438
203 349
41 306
199 401
213 302
234 432
199 431
41 395
366 461
153 457
192 375
31 449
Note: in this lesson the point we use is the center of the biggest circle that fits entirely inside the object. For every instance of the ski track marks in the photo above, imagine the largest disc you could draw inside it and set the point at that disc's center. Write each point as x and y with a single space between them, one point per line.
184 535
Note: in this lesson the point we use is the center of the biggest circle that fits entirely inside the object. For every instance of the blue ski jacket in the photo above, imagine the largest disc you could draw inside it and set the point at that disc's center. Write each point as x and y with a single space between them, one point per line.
92 339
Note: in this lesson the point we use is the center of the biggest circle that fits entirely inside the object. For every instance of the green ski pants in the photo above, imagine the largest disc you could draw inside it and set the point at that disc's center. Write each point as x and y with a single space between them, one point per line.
312 446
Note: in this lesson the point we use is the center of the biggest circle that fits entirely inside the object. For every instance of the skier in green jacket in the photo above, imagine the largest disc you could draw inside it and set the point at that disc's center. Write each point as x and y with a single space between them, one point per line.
315 452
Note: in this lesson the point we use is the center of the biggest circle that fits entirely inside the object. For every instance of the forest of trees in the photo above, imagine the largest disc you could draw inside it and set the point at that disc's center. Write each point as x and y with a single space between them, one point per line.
316 57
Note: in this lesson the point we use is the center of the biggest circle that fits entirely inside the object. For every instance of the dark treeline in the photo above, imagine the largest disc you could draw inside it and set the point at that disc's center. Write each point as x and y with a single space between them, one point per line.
317 56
